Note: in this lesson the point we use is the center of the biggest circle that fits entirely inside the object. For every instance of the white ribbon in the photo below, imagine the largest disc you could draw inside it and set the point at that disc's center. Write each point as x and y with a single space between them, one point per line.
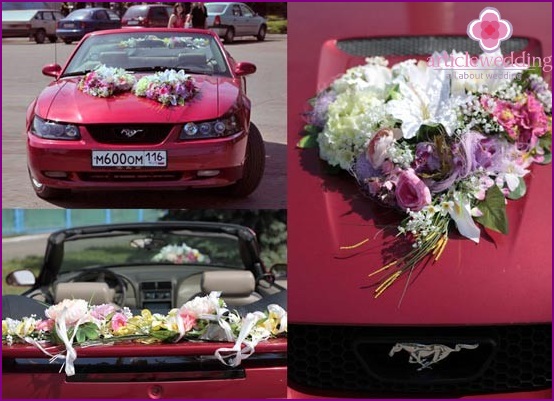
180 327
61 330
238 354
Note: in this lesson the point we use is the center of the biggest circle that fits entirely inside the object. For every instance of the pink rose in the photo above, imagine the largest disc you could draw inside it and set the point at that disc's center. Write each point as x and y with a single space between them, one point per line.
411 193
119 320
45 325
378 145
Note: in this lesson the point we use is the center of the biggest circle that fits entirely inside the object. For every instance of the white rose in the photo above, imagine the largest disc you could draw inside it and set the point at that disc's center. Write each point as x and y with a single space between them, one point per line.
75 310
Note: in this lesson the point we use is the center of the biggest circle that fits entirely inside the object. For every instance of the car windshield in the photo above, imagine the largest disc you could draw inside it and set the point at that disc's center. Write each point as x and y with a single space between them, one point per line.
133 12
196 53
179 248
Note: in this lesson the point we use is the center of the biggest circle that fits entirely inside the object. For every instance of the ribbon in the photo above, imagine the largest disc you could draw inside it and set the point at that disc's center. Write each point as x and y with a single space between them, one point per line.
61 330
238 353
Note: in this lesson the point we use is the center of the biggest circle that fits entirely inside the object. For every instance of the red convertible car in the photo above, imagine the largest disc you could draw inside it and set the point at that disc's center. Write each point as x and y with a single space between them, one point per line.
139 267
158 108
481 315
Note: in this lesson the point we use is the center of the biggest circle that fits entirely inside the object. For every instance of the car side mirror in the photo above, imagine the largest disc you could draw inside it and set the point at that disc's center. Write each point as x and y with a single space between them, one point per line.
52 70
21 278
244 68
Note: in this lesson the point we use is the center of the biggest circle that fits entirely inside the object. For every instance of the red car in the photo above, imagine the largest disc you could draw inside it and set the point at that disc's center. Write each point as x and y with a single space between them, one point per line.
496 295
81 138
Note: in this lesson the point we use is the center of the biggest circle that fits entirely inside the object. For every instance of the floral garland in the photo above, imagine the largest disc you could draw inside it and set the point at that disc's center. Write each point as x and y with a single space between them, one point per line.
439 148
180 254
172 42
168 87
76 322
106 81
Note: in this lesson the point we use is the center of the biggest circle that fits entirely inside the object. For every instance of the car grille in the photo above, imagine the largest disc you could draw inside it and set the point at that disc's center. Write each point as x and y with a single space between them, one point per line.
130 134
420 45
130 176
508 359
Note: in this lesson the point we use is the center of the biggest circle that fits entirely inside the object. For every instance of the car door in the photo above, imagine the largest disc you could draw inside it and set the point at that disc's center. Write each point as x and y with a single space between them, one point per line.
236 20
38 21
249 20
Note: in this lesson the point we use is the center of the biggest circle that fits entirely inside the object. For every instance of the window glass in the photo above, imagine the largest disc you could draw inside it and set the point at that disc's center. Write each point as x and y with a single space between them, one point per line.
246 12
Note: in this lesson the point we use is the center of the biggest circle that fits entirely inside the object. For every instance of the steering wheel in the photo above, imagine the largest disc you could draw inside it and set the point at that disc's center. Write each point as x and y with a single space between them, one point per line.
103 275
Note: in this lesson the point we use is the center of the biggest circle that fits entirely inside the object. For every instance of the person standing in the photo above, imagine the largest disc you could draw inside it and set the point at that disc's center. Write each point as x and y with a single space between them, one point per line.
198 15
177 19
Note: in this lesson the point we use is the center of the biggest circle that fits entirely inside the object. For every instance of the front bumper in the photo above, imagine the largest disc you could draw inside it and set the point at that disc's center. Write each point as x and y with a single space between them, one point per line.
184 160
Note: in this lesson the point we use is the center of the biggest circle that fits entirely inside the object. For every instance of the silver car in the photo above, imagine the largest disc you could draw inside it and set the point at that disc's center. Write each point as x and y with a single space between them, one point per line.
231 20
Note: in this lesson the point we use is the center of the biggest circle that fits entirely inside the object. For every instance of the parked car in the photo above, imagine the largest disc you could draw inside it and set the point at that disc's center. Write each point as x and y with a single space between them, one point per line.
146 15
147 266
231 20
481 315
78 141
36 24
80 22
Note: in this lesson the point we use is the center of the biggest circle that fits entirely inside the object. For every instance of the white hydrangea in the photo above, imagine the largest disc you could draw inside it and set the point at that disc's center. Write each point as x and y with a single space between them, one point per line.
352 118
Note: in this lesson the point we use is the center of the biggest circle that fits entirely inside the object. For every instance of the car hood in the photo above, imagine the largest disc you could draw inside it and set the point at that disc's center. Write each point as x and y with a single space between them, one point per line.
503 279
63 101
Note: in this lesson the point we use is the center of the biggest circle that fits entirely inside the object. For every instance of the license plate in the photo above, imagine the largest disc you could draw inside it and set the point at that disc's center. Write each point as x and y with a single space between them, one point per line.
132 22
129 158
69 25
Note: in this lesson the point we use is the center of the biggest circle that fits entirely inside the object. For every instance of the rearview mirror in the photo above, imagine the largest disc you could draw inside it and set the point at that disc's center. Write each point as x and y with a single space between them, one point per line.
244 68
52 70
21 278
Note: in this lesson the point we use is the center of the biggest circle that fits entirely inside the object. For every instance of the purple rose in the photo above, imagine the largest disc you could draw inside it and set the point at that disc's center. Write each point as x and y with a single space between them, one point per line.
427 159
411 193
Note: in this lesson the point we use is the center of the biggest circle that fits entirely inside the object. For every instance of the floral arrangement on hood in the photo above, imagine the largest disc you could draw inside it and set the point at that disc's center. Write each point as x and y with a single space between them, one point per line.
106 81
169 87
180 254
74 322
445 150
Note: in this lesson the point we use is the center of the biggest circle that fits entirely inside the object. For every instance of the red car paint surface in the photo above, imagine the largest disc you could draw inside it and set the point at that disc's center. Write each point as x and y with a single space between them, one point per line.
504 280
251 380
218 97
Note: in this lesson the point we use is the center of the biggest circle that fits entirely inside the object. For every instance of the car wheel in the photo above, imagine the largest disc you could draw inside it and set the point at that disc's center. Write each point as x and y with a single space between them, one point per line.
230 35
261 33
40 36
67 41
253 166
46 192
52 38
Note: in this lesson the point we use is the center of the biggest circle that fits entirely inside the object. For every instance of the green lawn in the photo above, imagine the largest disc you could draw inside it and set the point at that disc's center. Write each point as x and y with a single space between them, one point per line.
276 24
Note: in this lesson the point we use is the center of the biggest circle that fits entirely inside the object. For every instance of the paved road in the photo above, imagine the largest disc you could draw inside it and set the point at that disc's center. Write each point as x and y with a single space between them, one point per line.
22 80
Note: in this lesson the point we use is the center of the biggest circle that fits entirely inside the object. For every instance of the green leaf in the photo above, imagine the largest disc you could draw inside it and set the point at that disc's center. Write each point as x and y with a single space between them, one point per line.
80 336
494 211
307 142
519 192
164 335
429 131
547 159
311 129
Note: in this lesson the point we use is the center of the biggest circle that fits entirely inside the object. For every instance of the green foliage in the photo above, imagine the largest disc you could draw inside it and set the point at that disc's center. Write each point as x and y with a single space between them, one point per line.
277 26
494 211
269 225
520 191
307 142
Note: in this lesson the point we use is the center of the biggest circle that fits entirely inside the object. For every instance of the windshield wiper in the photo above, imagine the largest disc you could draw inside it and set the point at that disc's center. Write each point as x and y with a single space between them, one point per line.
147 69
75 73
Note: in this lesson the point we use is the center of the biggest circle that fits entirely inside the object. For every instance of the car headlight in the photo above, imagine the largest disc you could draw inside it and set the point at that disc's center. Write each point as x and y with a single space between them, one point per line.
211 129
52 130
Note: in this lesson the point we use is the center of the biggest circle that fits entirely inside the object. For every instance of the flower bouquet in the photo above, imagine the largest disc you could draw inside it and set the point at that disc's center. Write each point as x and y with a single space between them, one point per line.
77 323
106 81
445 149
168 87
180 254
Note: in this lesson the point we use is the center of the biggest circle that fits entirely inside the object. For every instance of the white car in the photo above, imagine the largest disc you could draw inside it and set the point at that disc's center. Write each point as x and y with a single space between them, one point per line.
37 24
231 20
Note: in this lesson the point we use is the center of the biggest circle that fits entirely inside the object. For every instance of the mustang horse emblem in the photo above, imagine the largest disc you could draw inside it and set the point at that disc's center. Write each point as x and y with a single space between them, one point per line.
129 133
428 354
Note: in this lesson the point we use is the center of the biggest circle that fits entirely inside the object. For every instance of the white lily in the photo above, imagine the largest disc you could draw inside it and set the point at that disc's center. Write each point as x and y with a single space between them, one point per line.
425 98
460 211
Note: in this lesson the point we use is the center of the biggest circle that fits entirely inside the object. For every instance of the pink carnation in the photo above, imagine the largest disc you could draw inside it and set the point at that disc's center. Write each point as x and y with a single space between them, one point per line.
45 325
189 320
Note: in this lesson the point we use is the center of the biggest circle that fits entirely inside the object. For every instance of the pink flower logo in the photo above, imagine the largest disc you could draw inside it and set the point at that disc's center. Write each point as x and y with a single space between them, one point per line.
489 30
